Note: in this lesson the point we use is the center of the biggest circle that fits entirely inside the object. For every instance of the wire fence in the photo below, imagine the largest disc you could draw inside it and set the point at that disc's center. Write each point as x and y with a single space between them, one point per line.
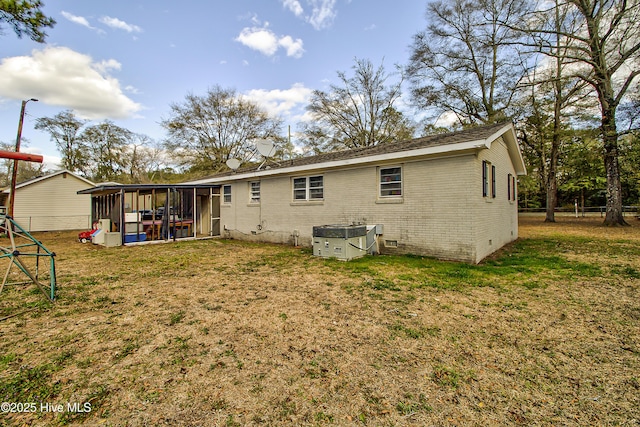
54 223
584 211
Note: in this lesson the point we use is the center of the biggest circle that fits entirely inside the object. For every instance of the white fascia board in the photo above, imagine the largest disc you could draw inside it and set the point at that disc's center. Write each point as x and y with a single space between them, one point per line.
508 134
470 146
45 177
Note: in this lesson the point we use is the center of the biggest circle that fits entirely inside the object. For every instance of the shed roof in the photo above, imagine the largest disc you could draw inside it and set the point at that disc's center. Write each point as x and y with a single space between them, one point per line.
46 177
467 140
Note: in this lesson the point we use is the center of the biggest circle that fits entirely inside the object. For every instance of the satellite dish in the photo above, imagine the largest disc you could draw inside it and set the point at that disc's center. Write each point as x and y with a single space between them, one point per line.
233 164
264 147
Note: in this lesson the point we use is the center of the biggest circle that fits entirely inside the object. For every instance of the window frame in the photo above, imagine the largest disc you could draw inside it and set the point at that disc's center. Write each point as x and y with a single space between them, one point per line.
254 195
226 197
309 188
387 183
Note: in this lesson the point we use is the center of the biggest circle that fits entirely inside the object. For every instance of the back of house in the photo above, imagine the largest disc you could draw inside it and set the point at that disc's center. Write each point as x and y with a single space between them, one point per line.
451 196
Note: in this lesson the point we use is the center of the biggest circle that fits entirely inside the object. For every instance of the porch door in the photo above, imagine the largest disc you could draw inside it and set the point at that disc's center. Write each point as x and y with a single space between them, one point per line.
214 205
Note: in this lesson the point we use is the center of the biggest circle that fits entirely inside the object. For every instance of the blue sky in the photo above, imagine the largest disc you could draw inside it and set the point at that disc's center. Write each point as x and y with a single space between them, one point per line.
127 61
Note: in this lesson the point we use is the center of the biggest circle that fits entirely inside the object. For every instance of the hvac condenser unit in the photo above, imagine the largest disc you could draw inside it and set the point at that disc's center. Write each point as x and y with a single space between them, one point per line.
343 242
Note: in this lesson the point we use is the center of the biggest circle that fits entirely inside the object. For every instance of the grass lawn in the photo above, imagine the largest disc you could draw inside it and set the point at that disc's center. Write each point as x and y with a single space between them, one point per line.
229 333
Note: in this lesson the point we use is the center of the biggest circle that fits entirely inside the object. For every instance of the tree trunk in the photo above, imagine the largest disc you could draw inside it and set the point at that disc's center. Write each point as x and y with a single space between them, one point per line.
614 215
552 179
552 197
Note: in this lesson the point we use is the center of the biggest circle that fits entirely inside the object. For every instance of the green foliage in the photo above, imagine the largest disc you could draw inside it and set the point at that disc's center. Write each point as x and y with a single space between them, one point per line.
409 332
410 405
30 384
107 143
26 18
445 376
64 129
629 170
529 263
176 318
582 170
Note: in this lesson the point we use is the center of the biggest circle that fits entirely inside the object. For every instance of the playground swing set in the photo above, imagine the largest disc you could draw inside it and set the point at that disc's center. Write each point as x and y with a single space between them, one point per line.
30 257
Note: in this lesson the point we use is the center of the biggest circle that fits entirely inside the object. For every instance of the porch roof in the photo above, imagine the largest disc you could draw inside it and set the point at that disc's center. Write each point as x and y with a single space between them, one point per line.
127 188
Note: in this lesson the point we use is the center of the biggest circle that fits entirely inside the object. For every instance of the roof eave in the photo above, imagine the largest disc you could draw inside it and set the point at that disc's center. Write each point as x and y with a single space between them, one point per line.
460 148
508 134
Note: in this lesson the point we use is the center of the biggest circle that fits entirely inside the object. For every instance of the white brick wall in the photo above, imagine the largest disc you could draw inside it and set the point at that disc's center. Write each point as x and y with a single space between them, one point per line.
442 212
501 214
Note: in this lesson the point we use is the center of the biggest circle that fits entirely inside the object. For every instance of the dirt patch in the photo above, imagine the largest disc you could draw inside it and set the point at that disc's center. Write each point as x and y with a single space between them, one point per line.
224 333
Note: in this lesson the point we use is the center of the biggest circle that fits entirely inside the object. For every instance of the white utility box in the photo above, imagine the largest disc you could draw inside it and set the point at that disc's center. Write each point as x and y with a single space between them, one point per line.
112 239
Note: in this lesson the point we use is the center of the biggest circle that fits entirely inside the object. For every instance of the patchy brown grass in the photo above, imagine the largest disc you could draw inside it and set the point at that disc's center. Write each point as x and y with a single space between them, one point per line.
226 333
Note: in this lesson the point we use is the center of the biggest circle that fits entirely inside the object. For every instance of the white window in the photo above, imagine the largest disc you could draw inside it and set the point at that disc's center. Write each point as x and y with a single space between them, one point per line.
391 182
254 190
226 194
308 188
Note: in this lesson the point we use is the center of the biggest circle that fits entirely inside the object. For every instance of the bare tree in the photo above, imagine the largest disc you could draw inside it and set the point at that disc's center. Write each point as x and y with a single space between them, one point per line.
64 129
557 97
145 158
467 61
206 131
604 43
359 112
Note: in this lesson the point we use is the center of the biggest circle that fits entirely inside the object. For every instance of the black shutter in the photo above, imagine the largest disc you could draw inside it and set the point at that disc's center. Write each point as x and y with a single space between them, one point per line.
484 178
493 181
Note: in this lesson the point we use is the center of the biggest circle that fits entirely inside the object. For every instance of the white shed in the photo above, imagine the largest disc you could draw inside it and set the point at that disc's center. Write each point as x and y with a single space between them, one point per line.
51 202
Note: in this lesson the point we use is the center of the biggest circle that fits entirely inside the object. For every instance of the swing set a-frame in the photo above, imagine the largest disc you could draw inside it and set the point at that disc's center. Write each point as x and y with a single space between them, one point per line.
30 258
25 252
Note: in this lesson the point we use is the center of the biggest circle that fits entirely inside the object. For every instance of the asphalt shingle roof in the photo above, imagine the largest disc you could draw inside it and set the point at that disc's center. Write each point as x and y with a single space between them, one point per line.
466 135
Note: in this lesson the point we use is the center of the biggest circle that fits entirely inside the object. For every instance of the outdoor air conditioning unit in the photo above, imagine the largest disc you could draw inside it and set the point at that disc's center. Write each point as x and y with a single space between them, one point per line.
342 242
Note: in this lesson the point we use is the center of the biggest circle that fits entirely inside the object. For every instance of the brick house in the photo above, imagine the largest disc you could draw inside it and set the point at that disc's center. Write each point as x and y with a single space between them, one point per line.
451 196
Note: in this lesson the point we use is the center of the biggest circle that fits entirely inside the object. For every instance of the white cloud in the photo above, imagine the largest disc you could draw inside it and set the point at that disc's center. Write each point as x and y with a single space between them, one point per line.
120 25
62 77
323 13
132 89
266 42
294 6
104 66
80 20
260 39
294 47
288 102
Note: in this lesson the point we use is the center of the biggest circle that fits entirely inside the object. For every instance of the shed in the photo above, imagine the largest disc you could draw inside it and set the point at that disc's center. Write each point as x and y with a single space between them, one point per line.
51 202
